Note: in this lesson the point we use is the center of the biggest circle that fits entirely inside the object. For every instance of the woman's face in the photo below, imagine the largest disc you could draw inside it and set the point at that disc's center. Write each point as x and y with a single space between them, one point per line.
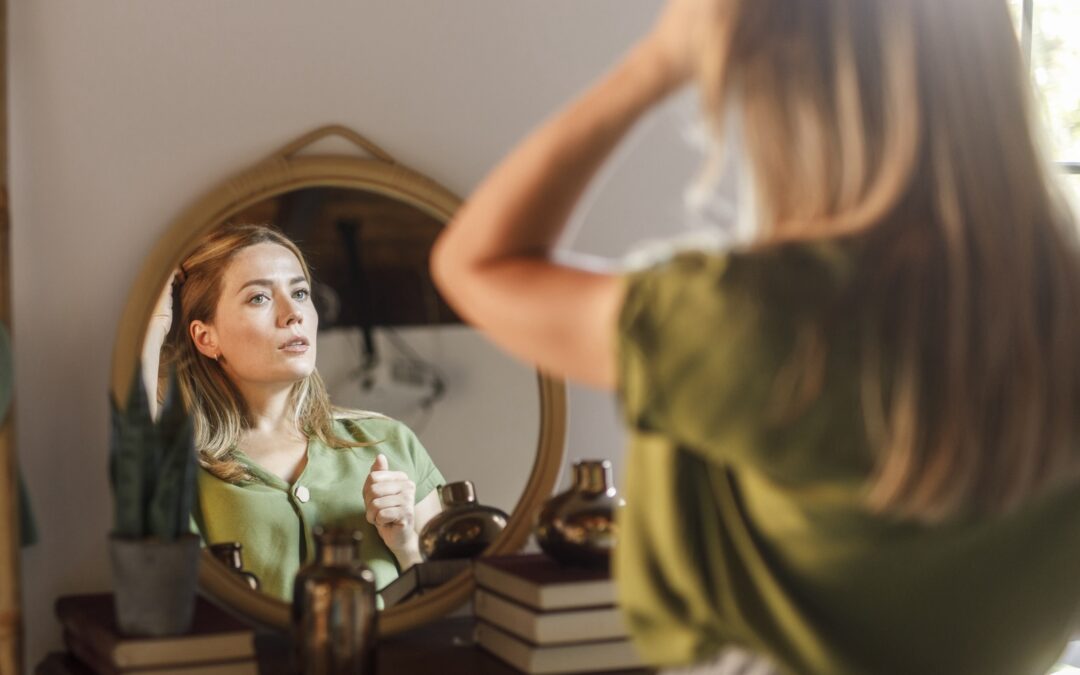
264 325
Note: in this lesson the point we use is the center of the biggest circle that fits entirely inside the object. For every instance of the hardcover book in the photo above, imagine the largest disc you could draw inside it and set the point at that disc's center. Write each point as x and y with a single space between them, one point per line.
550 627
539 582
215 636
422 577
95 663
572 658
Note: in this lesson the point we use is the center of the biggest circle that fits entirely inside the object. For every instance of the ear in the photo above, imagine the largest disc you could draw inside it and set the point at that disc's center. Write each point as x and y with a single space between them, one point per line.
205 338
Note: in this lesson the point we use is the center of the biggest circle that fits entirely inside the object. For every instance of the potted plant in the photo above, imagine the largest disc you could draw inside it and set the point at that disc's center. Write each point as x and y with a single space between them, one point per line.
154 554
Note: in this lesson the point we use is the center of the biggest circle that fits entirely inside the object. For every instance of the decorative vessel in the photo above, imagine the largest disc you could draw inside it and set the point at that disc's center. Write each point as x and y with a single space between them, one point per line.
333 611
578 527
464 528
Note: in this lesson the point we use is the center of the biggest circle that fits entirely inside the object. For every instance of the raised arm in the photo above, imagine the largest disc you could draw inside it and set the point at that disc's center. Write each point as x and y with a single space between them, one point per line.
158 329
494 263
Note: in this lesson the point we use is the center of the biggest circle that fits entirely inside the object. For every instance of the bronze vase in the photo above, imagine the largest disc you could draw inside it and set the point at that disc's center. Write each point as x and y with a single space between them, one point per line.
231 554
464 528
577 527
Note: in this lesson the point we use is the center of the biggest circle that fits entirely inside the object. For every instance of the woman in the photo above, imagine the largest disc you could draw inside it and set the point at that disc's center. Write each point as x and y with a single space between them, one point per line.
276 457
854 441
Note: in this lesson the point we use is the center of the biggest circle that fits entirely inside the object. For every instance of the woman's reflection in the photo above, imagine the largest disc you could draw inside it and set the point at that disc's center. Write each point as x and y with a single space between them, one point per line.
276 457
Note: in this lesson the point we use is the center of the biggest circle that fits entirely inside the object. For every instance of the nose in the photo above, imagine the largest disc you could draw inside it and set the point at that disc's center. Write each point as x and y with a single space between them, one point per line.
292 314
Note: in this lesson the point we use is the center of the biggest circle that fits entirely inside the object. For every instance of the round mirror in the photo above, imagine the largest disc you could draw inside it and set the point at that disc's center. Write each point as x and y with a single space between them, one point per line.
386 341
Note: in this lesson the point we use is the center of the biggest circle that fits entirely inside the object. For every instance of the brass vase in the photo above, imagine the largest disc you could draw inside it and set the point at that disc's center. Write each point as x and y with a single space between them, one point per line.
577 527
464 528
231 554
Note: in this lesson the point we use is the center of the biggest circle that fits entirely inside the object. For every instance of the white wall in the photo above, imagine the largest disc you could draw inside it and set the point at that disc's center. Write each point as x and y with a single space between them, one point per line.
485 425
124 111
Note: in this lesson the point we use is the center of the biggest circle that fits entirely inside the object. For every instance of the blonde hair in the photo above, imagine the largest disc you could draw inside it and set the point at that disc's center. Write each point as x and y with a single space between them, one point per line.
219 411
906 127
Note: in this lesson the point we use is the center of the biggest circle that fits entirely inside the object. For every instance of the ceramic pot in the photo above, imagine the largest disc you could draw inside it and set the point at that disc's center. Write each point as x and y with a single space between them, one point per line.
464 528
155 584
577 527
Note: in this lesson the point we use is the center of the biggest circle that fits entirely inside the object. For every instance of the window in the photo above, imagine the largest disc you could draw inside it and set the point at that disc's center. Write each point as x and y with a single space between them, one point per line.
1049 32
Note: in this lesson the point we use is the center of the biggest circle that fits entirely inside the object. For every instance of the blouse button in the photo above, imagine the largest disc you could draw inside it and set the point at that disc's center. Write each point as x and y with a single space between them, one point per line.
302 494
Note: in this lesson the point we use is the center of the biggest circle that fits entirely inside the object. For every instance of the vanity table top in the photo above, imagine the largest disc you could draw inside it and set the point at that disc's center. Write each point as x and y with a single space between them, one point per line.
444 647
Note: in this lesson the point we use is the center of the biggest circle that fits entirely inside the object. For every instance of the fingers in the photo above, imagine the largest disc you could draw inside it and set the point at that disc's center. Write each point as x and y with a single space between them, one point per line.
381 496
388 495
394 515
393 487
399 499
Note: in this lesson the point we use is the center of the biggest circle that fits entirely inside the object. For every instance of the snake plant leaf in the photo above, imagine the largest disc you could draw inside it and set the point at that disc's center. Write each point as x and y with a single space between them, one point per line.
174 497
129 465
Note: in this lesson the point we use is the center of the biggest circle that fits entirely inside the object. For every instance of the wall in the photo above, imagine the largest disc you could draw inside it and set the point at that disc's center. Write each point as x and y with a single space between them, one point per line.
123 111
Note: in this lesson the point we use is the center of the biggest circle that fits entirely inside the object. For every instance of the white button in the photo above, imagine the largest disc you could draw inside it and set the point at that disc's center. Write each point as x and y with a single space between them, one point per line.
302 493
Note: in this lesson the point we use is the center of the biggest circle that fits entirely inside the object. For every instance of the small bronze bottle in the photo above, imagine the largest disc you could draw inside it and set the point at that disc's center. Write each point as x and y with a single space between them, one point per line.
333 612
231 554
577 527
464 528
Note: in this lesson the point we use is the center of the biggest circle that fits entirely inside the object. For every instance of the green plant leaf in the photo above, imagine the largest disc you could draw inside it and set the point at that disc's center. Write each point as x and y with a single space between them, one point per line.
132 434
175 494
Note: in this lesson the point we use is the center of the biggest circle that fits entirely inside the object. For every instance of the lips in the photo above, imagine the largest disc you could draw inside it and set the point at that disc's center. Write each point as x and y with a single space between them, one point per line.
296 343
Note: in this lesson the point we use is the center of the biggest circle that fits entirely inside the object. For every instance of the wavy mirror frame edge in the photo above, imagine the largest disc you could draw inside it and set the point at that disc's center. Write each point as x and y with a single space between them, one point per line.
281 172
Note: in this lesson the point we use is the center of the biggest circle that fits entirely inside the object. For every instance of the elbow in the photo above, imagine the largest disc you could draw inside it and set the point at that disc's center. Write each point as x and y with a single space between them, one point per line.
442 268
452 271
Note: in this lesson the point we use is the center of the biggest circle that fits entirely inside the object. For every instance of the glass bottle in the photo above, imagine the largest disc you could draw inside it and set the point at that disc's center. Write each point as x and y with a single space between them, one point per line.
333 612
231 554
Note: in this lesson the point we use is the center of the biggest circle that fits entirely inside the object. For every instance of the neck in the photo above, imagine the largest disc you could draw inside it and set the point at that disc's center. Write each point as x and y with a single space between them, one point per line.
268 407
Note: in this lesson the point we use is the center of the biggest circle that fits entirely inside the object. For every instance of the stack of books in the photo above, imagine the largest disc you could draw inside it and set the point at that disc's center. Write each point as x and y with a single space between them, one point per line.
542 617
217 643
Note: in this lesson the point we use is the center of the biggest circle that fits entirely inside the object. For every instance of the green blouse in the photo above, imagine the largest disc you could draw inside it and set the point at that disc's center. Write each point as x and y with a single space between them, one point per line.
273 519
747 528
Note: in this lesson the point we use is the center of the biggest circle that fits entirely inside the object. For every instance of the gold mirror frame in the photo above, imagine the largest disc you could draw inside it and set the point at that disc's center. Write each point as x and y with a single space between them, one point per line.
281 172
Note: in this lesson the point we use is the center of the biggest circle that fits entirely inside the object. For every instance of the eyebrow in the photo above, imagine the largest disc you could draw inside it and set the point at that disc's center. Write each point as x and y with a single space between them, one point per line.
269 282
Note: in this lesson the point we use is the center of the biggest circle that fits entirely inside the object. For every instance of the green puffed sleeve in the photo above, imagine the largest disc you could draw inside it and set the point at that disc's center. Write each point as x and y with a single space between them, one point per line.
427 474
695 362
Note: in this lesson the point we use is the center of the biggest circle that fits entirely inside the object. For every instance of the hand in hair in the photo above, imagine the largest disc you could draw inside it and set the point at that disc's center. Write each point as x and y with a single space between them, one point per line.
156 332
162 318
390 500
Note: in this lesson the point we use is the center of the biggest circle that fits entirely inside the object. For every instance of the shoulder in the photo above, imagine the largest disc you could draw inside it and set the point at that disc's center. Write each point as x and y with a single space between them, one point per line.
763 289
370 427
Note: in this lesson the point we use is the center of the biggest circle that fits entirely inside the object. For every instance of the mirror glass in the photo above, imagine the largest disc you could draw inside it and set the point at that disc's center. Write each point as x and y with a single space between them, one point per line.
388 343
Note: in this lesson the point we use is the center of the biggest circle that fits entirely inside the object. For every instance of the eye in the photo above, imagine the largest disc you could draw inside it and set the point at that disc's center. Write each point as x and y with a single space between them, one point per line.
259 299
301 294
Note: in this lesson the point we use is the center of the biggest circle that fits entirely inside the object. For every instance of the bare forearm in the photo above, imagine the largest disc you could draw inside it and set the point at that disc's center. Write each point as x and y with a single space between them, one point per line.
151 360
408 555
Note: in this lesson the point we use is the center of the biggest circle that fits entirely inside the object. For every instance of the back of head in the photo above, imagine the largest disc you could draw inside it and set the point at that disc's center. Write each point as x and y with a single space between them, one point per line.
907 125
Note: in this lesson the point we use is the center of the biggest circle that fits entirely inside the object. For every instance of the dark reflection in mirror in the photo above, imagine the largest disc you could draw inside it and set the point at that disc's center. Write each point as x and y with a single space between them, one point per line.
369 254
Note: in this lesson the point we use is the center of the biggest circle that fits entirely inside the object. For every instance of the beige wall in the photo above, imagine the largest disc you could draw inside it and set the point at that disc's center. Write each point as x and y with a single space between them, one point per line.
123 111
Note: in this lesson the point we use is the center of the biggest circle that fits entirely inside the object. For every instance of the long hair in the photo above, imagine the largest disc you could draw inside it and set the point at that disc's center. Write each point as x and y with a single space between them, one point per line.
908 127
218 409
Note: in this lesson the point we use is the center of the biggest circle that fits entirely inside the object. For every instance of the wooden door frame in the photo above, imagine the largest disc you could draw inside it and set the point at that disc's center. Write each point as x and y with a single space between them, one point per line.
11 623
